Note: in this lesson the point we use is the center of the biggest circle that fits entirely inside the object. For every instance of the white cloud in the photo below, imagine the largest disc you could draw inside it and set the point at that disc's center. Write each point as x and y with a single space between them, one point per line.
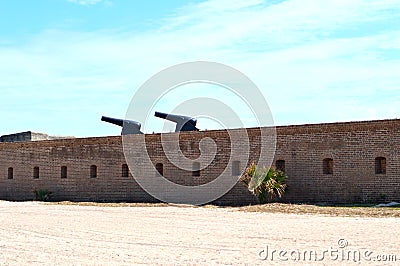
86 2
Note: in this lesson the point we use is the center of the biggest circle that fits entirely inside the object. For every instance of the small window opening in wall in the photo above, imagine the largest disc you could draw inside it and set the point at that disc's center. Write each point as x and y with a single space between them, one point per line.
36 172
160 168
235 168
125 170
10 173
193 145
328 166
380 165
280 165
196 169
93 171
63 172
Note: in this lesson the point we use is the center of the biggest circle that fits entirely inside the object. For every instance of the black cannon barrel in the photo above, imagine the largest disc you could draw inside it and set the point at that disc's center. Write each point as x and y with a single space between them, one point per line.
161 115
128 126
115 121
183 123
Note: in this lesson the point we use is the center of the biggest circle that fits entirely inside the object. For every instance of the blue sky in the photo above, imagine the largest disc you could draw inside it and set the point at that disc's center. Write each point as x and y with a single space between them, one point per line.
65 63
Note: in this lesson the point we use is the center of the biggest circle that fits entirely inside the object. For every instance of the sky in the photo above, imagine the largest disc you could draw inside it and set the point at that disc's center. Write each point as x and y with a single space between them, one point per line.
65 63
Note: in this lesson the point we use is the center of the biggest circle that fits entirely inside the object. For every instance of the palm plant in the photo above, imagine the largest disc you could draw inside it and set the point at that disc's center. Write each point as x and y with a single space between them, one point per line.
42 194
264 183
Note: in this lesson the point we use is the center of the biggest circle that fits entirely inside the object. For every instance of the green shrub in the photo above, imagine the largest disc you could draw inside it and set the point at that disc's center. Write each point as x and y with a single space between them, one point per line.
265 184
42 194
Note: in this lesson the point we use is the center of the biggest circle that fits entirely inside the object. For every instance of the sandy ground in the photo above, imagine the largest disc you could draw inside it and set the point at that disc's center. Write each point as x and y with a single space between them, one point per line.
33 233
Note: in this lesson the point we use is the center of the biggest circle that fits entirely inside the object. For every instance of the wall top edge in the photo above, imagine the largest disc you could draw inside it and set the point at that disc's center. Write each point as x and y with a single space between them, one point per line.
352 126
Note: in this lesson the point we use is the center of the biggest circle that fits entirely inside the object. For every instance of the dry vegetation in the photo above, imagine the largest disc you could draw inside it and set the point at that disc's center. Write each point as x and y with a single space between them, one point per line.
324 210
110 204
349 211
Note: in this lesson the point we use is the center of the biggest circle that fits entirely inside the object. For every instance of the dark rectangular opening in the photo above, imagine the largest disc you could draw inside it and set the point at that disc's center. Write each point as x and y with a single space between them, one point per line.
10 173
125 170
63 172
235 168
280 165
36 172
196 169
93 171
328 166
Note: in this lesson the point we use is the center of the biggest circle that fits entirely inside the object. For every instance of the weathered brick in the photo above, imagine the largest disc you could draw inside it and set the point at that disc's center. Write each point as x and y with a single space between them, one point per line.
353 146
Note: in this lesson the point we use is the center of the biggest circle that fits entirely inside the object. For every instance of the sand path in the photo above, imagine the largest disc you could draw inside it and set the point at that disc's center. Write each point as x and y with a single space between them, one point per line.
38 234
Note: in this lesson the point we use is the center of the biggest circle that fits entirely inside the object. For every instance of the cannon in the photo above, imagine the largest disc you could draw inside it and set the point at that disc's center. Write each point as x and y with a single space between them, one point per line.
128 126
183 123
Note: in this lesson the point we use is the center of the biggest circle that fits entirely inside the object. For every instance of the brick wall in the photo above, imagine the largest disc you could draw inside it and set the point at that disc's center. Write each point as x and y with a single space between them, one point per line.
352 146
